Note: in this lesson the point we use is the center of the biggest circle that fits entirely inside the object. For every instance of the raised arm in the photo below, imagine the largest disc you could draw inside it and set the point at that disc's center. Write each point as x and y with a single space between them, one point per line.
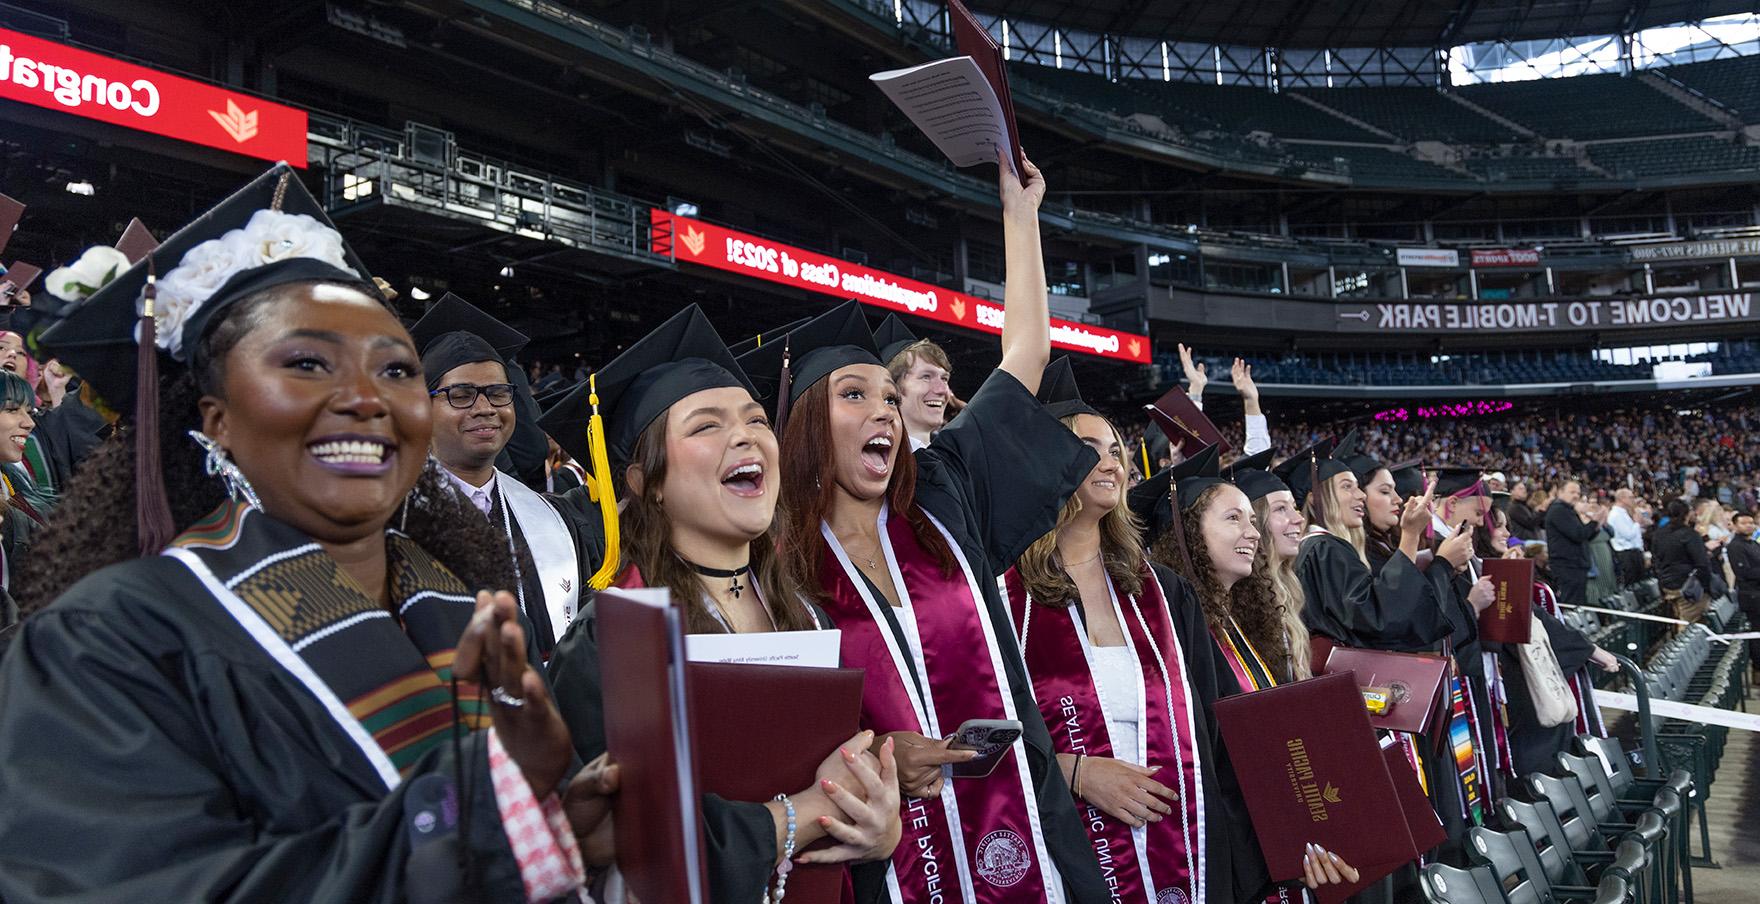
1258 432
1026 329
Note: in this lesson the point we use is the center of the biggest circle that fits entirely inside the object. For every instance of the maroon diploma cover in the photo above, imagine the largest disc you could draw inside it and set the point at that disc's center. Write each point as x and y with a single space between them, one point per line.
973 41
1412 681
762 730
1510 617
1312 770
657 819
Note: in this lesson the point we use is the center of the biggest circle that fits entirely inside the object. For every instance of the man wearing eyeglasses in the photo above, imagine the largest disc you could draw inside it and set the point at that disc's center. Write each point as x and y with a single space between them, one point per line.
477 411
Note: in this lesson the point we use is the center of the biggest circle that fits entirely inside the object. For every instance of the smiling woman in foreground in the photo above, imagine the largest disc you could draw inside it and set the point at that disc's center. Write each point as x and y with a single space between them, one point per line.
280 703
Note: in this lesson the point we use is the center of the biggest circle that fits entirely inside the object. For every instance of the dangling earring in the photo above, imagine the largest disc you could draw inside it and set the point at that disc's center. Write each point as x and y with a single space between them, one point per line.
217 464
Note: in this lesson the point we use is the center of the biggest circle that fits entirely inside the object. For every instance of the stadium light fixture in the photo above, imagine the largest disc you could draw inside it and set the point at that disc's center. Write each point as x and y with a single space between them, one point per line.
419 294
81 187
507 271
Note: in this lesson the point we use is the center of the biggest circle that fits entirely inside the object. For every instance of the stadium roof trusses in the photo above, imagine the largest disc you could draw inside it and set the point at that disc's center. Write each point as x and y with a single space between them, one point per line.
1357 23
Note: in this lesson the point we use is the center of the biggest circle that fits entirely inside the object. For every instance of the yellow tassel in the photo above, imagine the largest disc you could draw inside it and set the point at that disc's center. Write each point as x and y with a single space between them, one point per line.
599 486
1144 442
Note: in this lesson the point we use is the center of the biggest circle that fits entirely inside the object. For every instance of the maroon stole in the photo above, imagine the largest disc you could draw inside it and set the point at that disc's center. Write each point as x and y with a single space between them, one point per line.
1163 861
980 841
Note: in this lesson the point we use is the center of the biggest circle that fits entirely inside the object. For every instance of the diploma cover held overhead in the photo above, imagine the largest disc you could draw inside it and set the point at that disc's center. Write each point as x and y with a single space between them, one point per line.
961 103
1312 770
1510 617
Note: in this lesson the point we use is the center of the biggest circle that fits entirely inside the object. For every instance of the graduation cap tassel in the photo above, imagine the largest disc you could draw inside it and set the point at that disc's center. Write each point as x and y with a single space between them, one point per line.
1179 532
1144 442
784 389
153 524
600 489
1319 505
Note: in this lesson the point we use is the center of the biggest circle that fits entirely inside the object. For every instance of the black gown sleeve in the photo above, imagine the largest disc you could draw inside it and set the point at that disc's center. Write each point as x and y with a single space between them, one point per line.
1011 463
1234 866
143 761
1401 609
66 434
528 449
1569 645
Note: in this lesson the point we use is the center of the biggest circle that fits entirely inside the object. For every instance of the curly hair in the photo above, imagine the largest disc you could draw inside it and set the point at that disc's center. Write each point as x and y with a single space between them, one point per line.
1252 601
1121 550
94 524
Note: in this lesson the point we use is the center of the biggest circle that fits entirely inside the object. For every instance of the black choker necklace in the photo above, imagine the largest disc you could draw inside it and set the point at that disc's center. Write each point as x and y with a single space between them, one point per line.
733 573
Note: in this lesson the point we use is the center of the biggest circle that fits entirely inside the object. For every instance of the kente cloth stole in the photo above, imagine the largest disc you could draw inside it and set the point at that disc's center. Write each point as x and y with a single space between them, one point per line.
382 672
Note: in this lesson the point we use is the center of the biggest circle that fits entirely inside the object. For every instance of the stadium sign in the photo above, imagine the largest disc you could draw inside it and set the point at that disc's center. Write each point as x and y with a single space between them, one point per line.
58 77
1585 314
708 245
1506 257
1429 257
1681 251
1463 319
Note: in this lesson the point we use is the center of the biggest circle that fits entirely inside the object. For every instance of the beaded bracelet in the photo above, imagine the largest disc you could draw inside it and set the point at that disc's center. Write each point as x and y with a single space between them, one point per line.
787 864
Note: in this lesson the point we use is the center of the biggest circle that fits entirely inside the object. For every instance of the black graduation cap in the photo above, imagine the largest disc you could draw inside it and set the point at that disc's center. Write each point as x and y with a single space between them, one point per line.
1059 393
758 339
681 356
1304 469
837 338
97 339
1460 480
892 337
1253 475
455 332
1197 474
1258 461
1148 500
1151 500
1408 477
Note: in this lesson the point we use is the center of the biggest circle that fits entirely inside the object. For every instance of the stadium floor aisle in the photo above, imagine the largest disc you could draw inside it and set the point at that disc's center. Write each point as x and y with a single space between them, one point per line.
1734 818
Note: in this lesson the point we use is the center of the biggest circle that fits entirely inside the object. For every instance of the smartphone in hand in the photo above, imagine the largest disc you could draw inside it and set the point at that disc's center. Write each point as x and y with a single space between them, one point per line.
992 738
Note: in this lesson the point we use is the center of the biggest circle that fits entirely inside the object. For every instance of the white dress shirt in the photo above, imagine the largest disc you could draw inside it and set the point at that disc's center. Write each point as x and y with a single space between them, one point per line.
1626 532
482 497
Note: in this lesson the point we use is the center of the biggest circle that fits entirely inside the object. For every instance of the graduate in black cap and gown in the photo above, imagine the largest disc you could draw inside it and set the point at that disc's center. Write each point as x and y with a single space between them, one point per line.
269 671
1348 603
1123 678
1209 539
905 549
478 414
674 428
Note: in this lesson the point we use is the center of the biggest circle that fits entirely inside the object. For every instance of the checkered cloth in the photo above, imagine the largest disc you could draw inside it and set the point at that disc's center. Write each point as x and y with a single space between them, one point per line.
543 842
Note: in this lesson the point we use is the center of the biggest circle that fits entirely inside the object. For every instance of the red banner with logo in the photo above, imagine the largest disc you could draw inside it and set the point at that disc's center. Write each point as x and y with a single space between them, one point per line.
696 242
1506 257
93 86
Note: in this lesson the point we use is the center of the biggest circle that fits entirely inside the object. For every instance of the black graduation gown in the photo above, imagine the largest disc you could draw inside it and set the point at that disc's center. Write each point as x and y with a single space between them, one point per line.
1235 868
1533 746
1469 661
528 449
66 434
589 549
150 750
1398 608
996 478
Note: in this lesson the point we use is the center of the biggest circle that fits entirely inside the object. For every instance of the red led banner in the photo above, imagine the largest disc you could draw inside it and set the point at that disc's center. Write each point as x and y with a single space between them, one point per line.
697 242
47 74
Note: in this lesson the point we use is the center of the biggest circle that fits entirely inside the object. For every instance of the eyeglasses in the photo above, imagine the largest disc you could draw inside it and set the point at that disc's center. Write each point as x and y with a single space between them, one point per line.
464 395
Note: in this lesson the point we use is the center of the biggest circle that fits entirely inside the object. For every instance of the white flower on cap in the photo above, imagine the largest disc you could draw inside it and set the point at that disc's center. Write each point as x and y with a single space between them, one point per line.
270 236
84 277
